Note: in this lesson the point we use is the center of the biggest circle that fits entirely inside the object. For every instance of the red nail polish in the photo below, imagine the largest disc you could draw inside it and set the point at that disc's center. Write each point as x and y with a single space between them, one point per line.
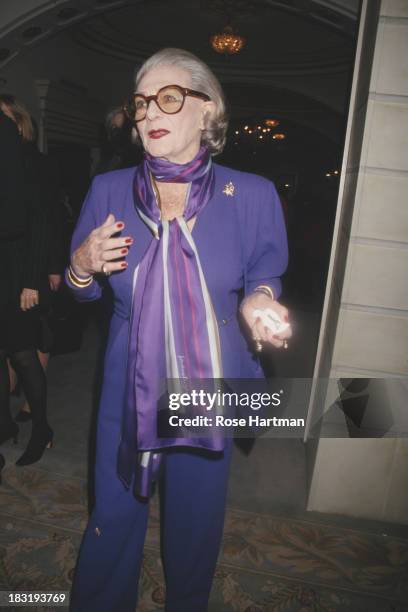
124 251
120 225
128 240
123 264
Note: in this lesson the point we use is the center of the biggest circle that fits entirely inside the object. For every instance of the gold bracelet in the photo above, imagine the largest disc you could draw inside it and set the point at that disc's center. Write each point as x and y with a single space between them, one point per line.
81 283
80 279
76 284
265 289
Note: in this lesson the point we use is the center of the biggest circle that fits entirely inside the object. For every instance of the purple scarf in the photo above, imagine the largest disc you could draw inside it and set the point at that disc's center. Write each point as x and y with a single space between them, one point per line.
173 330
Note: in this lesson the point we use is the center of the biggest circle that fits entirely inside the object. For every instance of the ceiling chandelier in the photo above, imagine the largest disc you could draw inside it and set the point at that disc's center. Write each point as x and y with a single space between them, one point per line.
228 42
271 122
260 131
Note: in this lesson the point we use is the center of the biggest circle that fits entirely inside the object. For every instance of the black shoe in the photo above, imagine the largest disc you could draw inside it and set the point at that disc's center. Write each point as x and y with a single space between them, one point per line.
8 431
41 438
2 464
23 416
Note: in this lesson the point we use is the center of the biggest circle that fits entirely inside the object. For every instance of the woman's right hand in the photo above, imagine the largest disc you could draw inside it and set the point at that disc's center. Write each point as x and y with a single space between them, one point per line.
99 250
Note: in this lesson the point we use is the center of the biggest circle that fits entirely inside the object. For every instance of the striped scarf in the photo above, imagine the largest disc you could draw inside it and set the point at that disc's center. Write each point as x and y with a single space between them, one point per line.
173 329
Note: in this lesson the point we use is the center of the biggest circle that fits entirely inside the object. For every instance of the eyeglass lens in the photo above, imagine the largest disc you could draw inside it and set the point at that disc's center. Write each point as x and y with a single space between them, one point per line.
169 100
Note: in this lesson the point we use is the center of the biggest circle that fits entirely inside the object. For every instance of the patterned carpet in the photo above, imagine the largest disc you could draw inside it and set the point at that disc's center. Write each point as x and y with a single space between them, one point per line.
268 563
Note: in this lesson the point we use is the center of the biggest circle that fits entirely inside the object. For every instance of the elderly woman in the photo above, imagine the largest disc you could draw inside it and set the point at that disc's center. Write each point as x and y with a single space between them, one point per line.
179 239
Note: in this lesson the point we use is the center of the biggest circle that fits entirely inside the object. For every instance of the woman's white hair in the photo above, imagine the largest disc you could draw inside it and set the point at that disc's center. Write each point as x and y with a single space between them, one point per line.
202 79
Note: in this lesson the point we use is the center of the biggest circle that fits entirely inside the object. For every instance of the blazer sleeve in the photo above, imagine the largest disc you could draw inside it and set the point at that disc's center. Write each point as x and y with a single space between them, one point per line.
91 217
12 197
55 264
36 259
265 239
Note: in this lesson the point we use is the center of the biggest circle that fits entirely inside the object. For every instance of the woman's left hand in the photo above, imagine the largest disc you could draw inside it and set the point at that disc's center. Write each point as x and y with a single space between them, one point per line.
258 300
28 299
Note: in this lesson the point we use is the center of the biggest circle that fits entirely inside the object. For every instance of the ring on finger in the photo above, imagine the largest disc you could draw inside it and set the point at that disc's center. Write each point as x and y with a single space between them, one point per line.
104 270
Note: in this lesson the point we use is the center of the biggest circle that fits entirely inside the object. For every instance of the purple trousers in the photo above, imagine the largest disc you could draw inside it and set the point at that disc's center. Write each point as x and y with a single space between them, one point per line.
193 494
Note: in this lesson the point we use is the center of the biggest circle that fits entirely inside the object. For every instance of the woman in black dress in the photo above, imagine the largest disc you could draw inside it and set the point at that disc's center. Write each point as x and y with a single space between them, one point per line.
23 261
47 181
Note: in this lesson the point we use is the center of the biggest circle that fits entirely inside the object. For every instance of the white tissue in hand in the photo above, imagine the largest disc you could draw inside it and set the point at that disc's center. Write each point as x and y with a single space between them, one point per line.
271 320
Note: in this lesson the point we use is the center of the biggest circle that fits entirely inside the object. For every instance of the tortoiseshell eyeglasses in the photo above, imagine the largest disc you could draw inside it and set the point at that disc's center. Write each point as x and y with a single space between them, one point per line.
170 99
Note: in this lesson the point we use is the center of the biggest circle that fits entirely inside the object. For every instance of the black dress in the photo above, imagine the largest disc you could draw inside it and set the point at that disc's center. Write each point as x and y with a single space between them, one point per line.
23 238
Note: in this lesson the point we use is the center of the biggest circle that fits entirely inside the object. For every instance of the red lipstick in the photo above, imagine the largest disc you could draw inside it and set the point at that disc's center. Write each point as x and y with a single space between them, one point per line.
155 134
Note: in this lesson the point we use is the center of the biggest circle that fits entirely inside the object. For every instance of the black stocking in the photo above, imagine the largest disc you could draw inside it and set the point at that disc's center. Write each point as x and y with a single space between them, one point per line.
33 382
5 416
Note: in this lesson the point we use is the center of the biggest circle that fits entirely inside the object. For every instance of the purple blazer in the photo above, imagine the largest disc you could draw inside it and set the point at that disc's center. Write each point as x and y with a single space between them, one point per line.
241 240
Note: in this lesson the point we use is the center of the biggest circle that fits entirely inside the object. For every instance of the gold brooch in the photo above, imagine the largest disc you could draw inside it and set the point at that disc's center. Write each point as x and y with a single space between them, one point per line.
229 189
